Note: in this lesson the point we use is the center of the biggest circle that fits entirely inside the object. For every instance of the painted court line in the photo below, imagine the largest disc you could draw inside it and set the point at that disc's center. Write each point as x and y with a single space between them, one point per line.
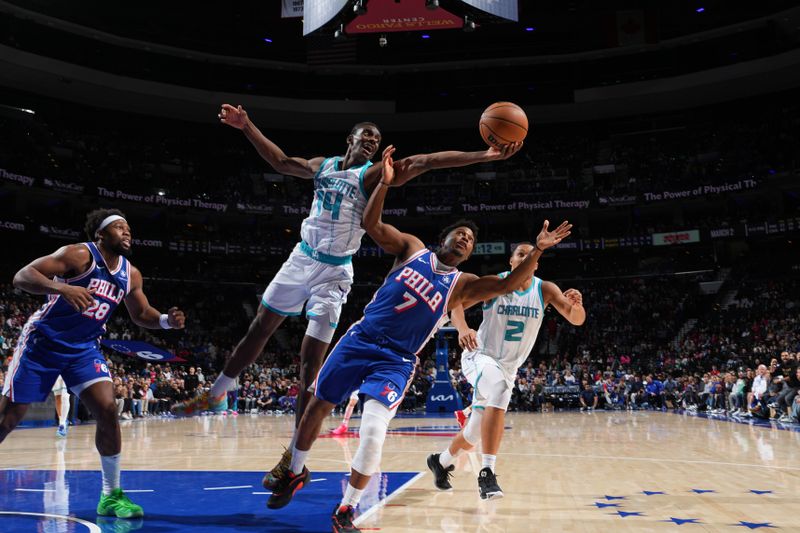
35 490
374 509
265 493
93 528
229 488
320 479
138 490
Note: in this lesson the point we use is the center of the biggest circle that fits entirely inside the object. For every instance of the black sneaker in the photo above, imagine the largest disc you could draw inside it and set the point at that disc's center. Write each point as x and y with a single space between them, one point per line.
441 475
487 485
342 519
286 487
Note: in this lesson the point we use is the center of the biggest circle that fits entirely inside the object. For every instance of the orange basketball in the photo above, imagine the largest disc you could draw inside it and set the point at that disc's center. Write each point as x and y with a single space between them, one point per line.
503 123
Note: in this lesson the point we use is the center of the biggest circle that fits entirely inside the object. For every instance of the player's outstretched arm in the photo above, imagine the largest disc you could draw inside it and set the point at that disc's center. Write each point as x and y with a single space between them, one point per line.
473 288
390 239
410 167
236 117
467 337
569 304
37 277
145 315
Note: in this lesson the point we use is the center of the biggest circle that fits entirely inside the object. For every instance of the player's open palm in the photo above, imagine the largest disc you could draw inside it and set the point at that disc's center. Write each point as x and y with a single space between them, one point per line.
387 177
233 116
504 152
547 238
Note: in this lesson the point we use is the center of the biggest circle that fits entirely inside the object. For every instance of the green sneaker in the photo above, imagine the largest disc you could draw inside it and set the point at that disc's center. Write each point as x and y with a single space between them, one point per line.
117 504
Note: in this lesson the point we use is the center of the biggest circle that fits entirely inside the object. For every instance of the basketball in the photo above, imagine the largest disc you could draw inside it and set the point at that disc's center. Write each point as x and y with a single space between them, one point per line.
502 123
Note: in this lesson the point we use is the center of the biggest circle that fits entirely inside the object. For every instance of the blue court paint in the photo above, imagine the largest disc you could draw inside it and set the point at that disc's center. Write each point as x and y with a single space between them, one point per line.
681 521
178 502
754 525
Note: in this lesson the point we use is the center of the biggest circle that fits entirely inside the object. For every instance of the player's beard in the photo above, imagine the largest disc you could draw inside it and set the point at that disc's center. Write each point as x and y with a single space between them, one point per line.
120 250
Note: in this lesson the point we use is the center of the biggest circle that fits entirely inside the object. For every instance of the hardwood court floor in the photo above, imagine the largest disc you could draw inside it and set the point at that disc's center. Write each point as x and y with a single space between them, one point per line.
561 472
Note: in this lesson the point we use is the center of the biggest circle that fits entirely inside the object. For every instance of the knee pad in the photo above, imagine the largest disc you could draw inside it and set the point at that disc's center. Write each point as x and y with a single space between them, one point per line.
494 388
374 424
472 431
320 328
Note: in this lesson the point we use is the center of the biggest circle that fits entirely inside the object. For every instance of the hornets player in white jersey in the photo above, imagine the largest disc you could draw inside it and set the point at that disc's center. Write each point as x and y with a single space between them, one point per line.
84 284
378 354
318 273
490 362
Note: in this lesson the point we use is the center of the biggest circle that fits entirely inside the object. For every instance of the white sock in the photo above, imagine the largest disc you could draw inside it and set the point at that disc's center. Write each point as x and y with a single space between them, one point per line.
298 460
222 385
352 496
62 420
489 461
110 465
446 458
294 439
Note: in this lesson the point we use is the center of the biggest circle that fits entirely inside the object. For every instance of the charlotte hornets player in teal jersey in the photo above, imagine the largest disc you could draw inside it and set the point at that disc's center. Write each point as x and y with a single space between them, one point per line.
377 355
84 284
490 361
318 273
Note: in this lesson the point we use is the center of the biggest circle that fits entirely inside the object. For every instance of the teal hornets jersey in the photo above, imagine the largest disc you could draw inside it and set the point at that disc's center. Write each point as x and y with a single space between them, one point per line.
510 325
333 226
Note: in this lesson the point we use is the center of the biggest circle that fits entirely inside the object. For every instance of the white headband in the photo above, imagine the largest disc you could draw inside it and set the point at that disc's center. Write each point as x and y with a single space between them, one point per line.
108 220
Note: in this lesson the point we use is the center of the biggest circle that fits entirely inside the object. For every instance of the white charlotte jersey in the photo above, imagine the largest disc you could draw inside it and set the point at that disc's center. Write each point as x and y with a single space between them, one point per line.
510 325
333 226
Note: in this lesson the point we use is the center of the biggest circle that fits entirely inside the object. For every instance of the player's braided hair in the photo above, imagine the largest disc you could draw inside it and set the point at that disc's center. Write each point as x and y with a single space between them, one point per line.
459 224
94 218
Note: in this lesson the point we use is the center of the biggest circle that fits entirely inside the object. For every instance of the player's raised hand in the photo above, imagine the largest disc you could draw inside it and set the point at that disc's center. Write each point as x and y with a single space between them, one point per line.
574 296
175 318
547 238
387 175
469 340
233 116
504 152
80 298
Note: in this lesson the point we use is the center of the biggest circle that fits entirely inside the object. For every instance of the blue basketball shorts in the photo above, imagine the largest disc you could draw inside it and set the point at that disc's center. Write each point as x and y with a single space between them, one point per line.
358 362
37 363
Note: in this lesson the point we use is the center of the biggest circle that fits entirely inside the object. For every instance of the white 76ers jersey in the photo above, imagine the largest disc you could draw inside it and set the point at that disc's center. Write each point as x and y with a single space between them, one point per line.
510 325
333 226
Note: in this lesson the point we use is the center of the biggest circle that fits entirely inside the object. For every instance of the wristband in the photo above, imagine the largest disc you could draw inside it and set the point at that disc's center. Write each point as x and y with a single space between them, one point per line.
536 247
384 183
164 322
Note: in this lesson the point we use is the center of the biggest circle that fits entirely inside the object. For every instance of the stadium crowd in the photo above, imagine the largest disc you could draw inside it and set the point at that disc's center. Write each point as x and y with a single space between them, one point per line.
741 359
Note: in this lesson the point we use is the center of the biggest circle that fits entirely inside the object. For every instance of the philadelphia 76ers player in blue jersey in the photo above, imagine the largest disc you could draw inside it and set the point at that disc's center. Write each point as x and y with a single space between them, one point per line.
319 271
84 284
377 354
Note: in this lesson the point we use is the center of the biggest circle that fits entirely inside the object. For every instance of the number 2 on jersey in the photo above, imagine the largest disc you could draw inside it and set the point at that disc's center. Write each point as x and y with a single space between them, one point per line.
330 201
514 330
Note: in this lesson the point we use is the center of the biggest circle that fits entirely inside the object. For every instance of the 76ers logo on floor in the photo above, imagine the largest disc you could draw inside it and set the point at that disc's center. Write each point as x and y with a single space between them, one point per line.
100 366
389 392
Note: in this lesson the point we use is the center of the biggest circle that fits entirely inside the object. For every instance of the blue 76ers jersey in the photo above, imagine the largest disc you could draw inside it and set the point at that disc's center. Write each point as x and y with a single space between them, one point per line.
411 305
62 325
333 226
